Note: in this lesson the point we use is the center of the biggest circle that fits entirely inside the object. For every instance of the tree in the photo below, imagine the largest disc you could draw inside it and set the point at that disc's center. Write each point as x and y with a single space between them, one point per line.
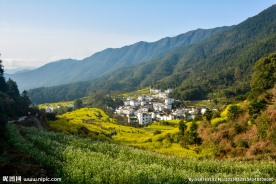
13 91
26 98
233 112
208 114
25 102
264 76
182 127
193 135
3 85
78 103
255 108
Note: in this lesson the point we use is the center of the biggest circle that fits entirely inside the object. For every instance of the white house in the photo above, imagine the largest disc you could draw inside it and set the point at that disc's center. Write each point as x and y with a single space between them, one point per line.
168 91
162 95
153 115
143 103
179 112
166 117
158 106
127 103
70 106
169 117
192 111
132 119
49 109
134 103
143 110
169 101
141 98
203 110
124 111
144 118
169 107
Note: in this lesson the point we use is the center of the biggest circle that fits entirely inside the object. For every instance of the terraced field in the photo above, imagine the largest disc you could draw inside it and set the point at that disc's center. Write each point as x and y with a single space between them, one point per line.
94 123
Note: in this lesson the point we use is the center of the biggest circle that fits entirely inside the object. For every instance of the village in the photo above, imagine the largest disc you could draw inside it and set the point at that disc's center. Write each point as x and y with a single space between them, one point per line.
156 107
145 109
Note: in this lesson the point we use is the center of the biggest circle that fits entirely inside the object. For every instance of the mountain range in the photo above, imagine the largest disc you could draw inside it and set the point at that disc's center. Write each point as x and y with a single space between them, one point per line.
70 70
216 63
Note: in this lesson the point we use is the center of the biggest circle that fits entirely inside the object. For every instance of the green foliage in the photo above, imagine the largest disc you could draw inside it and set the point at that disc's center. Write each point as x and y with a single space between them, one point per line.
101 99
238 128
182 127
233 112
193 135
3 84
13 89
255 108
50 116
263 124
78 103
208 114
12 104
264 76
157 132
190 94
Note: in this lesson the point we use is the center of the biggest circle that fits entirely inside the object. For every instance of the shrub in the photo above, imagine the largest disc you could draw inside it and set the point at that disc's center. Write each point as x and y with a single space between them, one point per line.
233 112
255 108
157 132
215 122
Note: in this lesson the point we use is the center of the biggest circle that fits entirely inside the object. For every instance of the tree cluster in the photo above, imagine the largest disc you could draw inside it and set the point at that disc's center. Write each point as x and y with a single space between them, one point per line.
12 103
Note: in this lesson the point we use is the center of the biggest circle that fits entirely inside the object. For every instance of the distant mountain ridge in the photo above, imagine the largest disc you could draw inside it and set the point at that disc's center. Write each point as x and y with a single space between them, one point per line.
221 64
70 70
18 70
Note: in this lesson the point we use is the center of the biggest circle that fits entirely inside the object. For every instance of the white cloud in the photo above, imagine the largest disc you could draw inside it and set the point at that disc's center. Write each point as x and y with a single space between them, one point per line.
13 63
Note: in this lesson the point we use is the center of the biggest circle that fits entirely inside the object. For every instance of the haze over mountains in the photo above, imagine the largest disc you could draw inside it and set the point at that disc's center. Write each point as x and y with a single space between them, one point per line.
69 70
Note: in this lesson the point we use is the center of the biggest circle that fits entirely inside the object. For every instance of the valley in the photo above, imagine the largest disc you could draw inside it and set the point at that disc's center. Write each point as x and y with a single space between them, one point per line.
196 107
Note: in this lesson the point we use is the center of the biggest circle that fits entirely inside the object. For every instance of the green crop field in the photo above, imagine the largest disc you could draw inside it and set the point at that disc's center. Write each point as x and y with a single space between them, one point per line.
81 160
95 123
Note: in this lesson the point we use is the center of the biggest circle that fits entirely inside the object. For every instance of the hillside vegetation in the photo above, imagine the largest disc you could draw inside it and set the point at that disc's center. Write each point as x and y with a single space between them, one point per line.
79 160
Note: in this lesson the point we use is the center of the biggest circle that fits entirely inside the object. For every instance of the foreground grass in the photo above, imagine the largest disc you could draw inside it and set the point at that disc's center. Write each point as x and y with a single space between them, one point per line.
80 160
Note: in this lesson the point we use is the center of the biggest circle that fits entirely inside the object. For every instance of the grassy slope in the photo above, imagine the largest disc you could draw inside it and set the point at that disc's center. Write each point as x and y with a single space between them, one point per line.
135 94
79 160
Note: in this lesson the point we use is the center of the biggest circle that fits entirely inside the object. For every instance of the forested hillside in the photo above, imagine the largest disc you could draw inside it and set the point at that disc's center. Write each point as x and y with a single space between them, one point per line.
217 66
69 70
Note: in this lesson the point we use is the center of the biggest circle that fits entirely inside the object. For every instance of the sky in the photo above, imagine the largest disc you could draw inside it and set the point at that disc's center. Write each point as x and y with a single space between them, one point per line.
36 32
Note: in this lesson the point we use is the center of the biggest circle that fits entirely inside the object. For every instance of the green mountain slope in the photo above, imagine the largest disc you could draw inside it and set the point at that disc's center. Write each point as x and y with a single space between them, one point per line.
69 70
219 65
